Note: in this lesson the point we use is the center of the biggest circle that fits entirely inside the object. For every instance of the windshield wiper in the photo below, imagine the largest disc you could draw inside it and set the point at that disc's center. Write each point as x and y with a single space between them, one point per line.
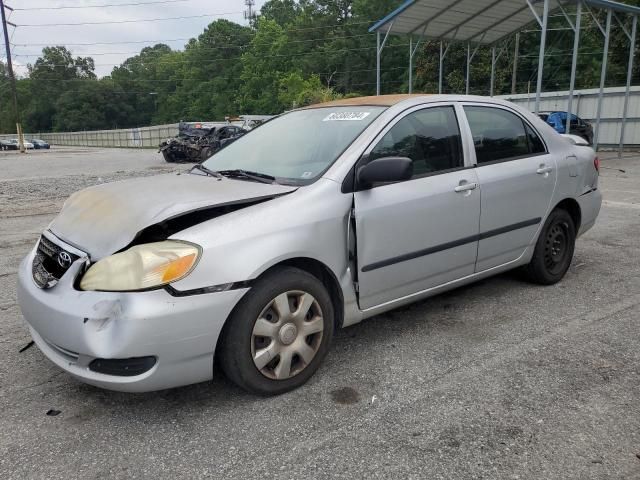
258 177
206 170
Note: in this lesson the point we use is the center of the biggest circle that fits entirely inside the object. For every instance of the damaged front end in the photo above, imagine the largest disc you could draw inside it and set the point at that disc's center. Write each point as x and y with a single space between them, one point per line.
111 217
96 289
198 141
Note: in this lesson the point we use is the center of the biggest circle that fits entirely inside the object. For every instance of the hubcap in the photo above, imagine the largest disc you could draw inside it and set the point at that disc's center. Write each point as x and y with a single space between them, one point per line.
287 335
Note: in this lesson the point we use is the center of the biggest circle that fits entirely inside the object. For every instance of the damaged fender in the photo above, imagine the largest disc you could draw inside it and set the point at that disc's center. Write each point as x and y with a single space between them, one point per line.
104 219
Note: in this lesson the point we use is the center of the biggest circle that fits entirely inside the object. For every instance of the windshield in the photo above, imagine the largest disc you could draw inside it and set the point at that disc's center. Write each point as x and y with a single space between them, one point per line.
296 147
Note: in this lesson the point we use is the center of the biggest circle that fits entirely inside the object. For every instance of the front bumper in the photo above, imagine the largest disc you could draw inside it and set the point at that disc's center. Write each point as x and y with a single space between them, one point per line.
73 328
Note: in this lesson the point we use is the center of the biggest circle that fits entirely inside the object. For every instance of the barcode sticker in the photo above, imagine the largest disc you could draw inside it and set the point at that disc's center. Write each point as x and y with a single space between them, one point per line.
346 116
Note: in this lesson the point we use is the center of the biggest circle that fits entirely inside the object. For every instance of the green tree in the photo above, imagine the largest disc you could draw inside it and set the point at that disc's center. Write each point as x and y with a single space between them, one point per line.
49 77
92 105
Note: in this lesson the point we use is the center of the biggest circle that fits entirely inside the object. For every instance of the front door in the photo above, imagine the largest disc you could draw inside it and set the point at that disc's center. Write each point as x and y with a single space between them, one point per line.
517 178
423 232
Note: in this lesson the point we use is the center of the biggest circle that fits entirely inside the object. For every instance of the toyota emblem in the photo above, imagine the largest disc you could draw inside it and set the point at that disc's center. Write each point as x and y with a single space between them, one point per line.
64 260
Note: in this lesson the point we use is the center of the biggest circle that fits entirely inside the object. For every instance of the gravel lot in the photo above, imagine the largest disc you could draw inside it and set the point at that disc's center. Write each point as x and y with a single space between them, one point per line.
500 379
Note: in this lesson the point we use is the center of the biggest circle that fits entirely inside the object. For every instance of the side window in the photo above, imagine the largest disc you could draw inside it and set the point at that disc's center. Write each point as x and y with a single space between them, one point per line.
429 137
499 134
535 144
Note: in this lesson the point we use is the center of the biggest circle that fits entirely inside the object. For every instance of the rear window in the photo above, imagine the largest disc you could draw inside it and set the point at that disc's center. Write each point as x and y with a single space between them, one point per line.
500 135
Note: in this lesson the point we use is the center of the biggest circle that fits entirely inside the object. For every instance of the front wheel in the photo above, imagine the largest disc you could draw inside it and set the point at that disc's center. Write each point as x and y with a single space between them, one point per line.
206 153
279 333
554 249
168 157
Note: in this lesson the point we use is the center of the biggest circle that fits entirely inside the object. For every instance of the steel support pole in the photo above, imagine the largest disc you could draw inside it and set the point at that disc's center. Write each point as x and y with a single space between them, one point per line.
514 73
468 68
440 69
574 64
378 63
543 41
603 78
632 53
493 70
410 63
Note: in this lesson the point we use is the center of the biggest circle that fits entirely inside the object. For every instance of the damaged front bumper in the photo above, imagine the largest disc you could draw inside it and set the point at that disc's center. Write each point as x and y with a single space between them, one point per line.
169 340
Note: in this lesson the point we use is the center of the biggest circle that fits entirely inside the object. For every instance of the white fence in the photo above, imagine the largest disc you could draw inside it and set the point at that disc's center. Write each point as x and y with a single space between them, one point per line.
585 105
129 137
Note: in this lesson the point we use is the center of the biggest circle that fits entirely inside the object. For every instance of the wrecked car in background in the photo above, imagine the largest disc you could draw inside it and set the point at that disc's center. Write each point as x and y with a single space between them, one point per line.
197 141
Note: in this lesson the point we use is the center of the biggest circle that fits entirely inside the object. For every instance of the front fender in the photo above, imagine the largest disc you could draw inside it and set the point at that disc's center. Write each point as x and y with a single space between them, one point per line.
311 222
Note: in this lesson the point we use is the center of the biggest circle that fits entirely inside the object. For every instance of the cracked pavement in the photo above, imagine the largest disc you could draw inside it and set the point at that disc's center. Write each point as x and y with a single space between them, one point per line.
499 379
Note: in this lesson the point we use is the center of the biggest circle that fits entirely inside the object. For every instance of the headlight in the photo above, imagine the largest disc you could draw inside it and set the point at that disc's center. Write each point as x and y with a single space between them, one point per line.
141 267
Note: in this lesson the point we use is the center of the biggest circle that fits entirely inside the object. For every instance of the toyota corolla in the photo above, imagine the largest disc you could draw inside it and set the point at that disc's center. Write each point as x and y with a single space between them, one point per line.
316 220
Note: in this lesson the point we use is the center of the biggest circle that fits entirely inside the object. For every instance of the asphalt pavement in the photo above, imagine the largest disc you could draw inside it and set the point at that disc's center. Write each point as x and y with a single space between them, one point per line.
500 379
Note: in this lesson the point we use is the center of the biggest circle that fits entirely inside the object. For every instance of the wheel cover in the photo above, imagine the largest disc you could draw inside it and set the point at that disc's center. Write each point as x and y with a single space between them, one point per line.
556 248
287 335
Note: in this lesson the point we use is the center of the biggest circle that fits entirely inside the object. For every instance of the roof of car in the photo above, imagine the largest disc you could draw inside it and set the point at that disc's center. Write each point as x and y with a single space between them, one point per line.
377 100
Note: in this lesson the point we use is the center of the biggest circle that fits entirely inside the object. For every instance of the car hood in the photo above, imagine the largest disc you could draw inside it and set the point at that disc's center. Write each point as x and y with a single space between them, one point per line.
103 219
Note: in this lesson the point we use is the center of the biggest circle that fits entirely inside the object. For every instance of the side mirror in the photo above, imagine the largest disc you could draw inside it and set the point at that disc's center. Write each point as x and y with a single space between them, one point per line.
385 170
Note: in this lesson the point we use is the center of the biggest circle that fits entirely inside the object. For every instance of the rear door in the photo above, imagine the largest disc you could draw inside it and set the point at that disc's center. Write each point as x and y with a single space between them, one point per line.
517 178
420 233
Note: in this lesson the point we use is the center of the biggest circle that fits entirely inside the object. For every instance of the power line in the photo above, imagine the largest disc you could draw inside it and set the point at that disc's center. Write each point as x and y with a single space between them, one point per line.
284 31
183 79
220 14
64 7
181 61
199 48
190 38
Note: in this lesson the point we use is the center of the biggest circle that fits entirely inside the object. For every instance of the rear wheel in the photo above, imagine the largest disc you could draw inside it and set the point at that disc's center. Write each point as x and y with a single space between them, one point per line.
279 333
554 249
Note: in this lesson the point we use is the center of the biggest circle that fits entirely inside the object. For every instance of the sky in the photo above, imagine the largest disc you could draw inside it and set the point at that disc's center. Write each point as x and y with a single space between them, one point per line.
30 34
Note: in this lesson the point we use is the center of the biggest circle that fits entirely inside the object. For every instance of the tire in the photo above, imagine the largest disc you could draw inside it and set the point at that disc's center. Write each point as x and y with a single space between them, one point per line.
554 249
206 153
253 361
168 157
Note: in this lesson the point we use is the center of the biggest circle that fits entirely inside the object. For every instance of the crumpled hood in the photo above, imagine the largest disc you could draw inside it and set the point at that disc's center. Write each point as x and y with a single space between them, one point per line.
105 218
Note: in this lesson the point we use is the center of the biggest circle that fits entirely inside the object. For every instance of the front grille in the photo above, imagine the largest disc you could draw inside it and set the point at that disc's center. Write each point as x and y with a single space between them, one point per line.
51 262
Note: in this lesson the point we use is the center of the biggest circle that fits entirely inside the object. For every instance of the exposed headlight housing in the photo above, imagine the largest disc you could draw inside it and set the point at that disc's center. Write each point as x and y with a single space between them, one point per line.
142 267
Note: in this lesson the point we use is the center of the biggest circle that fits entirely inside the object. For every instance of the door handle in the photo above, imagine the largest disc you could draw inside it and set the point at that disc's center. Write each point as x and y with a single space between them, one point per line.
544 170
465 187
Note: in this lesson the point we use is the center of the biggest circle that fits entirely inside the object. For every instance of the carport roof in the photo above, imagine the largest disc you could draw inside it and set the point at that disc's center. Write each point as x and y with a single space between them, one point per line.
478 21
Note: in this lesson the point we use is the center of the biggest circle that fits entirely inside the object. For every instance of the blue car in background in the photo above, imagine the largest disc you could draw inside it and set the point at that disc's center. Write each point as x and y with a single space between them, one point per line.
558 120
38 144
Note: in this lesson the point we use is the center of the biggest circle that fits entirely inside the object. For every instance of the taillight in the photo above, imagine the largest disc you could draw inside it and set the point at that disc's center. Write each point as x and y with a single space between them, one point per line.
596 164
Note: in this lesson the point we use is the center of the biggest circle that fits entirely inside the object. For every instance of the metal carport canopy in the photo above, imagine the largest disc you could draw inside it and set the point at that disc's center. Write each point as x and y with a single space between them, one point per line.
487 22
477 21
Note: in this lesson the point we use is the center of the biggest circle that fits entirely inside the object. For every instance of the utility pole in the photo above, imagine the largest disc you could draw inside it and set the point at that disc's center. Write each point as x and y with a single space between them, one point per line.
249 13
12 77
514 74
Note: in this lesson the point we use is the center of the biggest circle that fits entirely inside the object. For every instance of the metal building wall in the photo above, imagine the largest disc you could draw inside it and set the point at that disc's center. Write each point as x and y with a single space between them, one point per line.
585 104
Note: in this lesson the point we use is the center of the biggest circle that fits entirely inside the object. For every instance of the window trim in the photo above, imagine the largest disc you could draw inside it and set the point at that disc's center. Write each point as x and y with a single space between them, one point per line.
517 114
392 123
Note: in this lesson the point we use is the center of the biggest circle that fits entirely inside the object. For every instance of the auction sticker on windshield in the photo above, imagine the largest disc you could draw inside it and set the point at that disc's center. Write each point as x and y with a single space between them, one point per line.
341 116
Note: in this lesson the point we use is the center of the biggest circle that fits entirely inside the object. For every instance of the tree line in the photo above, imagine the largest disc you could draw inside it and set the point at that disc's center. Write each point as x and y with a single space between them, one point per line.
295 53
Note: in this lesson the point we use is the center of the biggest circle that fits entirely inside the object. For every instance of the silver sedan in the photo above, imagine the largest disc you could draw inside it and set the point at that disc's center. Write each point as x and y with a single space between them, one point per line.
316 220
